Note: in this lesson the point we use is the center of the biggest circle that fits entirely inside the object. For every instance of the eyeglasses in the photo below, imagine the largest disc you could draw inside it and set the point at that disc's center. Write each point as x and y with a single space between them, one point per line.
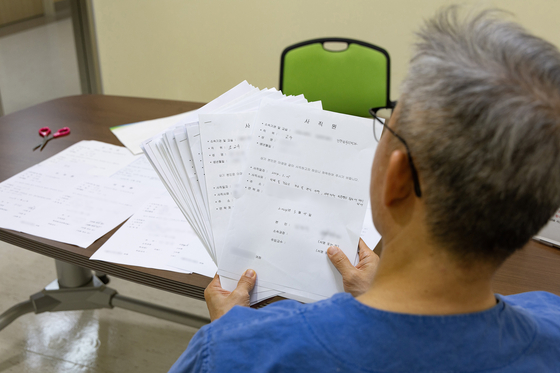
377 133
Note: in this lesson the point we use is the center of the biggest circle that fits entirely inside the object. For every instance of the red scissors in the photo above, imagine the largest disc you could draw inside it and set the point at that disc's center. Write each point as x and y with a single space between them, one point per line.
45 132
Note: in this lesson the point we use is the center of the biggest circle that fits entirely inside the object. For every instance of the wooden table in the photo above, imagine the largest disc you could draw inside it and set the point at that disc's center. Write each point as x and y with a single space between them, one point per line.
89 118
536 267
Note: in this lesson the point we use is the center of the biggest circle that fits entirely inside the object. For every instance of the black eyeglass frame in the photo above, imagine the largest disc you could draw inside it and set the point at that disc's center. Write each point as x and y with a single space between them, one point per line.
415 180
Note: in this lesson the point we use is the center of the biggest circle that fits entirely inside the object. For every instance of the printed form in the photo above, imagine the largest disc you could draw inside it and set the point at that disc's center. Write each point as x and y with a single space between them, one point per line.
158 236
78 195
305 187
224 140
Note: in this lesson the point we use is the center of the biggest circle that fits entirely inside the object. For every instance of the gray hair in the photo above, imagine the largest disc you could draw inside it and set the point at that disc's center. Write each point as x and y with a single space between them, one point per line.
480 109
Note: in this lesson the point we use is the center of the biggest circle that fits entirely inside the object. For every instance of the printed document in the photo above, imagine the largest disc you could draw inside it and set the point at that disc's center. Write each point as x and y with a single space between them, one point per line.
305 187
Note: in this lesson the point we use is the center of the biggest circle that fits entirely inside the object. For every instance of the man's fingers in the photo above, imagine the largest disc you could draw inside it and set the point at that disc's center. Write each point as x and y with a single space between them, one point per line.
247 281
215 281
365 251
340 261
214 285
220 301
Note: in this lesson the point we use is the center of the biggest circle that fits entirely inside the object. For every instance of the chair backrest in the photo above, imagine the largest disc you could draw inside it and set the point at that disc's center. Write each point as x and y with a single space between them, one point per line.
350 81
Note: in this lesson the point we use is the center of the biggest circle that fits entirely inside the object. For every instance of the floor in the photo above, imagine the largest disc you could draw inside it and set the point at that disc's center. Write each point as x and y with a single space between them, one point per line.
107 340
38 63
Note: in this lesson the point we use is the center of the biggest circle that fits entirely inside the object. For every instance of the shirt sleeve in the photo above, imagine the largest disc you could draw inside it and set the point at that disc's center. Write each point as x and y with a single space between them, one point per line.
196 356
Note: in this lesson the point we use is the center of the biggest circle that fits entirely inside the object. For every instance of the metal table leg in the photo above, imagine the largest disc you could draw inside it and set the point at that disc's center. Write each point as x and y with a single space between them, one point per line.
78 289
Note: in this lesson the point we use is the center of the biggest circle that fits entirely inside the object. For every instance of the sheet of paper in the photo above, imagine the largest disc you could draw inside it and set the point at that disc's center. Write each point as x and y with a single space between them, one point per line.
550 234
258 294
93 158
305 188
180 173
224 138
369 234
52 184
193 184
158 236
87 210
132 134
193 134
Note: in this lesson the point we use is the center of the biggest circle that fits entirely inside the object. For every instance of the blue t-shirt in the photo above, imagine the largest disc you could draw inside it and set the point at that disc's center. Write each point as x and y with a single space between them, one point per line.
520 334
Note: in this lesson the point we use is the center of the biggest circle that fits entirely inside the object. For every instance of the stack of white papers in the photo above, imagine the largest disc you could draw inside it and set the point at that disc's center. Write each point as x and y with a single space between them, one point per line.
269 182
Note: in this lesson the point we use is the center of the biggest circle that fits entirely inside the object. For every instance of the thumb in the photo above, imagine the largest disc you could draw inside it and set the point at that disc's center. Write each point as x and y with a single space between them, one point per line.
365 251
339 260
246 282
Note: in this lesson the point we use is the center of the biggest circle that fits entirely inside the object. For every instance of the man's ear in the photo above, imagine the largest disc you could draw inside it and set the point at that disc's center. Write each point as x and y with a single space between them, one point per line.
398 179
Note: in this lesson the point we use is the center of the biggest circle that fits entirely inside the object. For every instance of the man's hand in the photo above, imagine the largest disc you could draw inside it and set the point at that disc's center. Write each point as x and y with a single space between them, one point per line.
220 301
357 279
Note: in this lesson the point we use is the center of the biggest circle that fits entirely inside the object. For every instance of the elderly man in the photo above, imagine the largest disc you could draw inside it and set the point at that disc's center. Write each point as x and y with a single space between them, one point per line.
466 171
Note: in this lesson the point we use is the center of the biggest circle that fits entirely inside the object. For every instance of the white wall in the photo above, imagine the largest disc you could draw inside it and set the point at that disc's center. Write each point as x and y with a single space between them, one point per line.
195 50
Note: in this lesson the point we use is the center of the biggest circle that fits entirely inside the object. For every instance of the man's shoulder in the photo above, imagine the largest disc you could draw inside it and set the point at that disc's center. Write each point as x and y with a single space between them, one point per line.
540 304
543 307
533 299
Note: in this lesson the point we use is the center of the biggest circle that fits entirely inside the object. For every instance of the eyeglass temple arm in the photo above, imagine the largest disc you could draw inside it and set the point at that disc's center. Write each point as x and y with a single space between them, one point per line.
415 179
417 190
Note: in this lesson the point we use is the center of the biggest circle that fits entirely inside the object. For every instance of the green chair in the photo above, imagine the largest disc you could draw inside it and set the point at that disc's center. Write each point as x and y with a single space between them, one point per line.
349 81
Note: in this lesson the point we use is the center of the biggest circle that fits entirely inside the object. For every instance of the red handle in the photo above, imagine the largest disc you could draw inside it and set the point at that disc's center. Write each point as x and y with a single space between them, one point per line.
45 131
62 132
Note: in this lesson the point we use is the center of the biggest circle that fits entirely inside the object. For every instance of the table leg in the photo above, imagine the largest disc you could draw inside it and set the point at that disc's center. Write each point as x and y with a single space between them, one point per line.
14 312
78 289
72 276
